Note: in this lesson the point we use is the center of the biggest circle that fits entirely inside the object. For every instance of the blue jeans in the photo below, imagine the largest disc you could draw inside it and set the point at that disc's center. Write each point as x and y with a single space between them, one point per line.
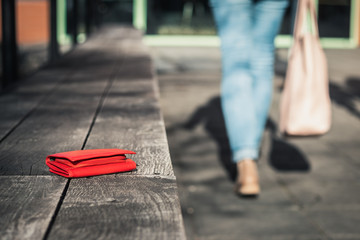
247 30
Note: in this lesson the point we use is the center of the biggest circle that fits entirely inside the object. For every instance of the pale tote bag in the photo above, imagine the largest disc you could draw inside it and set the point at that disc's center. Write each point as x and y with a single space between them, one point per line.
305 107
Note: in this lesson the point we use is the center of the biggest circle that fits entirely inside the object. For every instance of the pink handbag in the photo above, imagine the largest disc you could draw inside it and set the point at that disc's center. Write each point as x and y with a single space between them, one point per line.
305 107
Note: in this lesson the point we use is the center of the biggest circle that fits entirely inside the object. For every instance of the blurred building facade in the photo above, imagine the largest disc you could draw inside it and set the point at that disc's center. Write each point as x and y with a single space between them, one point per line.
179 21
44 27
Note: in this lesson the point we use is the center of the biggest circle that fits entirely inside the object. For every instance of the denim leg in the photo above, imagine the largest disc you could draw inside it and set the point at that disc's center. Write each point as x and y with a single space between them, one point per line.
234 22
244 110
268 15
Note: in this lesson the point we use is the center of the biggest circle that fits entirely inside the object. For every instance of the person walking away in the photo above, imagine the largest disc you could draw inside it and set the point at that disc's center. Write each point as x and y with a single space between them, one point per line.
247 29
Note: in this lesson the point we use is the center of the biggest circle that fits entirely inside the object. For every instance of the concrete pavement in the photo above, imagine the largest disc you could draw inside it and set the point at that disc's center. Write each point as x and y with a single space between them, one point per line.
310 186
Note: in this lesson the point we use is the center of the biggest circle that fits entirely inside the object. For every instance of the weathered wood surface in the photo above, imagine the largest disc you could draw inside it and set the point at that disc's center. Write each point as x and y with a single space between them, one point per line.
138 205
16 105
105 96
62 122
119 207
27 204
19 103
130 118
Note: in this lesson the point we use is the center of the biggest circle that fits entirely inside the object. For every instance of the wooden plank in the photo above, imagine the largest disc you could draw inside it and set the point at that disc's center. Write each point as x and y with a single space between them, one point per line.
119 207
62 122
17 104
133 121
137 205
27 204
131 118
20 102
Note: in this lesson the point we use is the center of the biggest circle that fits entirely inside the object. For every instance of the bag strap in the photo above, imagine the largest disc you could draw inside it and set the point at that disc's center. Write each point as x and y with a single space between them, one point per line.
301 16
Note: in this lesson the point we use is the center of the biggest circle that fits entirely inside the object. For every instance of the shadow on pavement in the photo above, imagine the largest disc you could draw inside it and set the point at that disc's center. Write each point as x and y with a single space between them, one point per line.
353 83
345 96
211 115
283 155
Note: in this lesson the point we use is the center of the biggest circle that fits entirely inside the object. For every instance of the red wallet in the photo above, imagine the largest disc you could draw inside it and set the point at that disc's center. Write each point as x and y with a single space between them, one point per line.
85 163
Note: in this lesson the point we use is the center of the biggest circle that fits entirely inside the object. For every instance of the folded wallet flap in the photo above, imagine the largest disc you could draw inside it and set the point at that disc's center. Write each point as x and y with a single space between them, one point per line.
79 155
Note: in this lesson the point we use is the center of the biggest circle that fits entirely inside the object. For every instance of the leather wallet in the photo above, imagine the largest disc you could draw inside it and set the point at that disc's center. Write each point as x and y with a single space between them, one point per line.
85 163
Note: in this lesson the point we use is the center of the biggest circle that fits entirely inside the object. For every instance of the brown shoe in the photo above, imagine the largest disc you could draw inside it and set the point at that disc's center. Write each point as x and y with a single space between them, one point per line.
247 182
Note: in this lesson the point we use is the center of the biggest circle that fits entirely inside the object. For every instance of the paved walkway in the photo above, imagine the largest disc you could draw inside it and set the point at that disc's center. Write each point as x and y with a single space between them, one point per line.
310 186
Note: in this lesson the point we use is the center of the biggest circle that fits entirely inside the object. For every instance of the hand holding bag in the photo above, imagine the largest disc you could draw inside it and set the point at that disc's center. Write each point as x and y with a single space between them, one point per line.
85 163
305 107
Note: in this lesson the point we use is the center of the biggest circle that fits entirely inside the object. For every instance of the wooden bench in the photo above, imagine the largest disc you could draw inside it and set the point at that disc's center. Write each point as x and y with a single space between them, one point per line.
104 94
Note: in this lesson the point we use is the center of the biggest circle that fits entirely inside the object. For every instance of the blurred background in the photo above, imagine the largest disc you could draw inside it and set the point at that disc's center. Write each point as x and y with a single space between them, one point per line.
25 31
310 186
